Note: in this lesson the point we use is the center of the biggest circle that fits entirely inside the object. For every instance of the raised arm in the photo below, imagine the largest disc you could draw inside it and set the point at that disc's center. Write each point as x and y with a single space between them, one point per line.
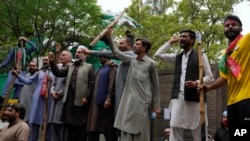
33 46
9 58
123 57
161 52
54 68
98 53
56 71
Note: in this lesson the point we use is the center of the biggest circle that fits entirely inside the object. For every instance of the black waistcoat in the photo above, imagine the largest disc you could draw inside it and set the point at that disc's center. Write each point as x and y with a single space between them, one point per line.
192 74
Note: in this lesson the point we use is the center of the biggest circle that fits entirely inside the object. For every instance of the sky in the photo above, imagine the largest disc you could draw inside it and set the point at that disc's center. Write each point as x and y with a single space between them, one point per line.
242 10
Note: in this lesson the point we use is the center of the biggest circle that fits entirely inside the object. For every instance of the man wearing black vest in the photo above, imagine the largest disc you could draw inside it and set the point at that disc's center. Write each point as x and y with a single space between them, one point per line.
184 105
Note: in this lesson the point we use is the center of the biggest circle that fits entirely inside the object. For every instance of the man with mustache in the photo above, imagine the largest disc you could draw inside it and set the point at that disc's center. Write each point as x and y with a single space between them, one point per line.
234 69
27 91
17 130
77 92
42 80
184 105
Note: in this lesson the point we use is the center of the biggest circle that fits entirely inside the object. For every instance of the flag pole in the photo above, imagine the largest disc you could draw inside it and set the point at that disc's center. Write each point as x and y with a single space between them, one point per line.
12 82
98 37
201 92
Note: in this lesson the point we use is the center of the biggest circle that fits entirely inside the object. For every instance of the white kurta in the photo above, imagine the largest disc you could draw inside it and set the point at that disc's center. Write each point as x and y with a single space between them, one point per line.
184 114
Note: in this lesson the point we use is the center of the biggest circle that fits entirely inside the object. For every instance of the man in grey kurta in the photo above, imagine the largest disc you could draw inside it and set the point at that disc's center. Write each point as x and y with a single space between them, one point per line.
125 45
57 92
27 91
141 94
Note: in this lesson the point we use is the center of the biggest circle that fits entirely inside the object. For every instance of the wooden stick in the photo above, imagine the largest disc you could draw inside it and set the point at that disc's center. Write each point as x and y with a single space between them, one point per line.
45 119
201 70
12 82
45 112
98 37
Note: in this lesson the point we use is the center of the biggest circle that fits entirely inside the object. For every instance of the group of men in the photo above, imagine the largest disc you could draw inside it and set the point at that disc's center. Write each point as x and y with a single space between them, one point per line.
117 100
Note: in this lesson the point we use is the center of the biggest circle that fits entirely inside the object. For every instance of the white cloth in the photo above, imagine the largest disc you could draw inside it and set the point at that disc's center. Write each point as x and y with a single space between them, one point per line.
176 134
170 58
184 114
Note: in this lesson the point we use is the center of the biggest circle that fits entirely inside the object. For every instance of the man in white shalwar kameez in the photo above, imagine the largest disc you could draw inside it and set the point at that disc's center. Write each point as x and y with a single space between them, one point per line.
184 105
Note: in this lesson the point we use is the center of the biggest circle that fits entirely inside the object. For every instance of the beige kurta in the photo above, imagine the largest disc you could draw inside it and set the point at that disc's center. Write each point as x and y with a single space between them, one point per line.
141 93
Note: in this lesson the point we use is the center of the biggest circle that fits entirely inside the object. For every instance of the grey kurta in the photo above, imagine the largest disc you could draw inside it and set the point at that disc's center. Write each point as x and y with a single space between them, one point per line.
57 104
141 93
121 75
26 97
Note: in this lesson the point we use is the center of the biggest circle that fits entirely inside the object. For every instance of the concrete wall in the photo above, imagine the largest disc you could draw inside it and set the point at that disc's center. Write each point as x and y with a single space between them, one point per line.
216 101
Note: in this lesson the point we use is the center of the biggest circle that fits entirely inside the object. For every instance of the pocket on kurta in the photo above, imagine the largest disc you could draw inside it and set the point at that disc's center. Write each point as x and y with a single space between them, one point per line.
140 89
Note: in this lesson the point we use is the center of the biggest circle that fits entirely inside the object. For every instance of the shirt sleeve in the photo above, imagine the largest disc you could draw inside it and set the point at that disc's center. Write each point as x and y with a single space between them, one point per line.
56 71
29 80
105 54
9 58
91 80
23 133
162 55
155 85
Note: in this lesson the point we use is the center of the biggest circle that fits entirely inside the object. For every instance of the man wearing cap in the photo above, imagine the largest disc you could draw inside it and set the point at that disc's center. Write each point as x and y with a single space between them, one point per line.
222 133
166 135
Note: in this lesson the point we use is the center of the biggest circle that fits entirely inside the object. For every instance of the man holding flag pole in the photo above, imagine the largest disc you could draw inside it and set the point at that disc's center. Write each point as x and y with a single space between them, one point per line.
184 105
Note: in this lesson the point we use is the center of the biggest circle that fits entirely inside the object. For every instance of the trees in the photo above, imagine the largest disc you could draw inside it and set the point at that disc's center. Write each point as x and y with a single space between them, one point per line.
65 21
205 16
71 21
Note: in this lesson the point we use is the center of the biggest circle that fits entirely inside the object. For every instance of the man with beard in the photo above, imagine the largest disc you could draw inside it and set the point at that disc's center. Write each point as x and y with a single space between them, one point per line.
101 113
184 105
18 53
234 69
17 130
27 91
80 78
42 79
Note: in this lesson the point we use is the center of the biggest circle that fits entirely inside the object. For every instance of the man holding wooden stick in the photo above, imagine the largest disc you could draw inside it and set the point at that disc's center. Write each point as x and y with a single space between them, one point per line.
184 106
40 100
19 53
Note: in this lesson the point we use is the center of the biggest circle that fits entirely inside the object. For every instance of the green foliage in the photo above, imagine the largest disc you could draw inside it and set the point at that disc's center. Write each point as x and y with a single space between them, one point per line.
202 16
62 21
79 21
